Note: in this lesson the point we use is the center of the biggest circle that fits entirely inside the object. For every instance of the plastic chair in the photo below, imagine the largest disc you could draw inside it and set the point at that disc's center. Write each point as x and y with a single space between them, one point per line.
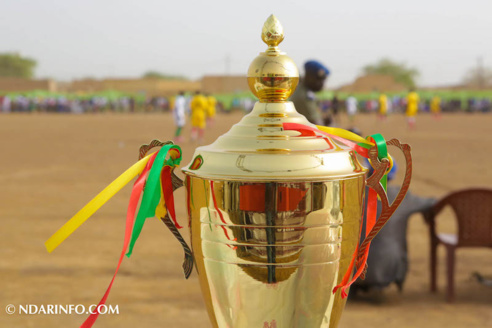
473 210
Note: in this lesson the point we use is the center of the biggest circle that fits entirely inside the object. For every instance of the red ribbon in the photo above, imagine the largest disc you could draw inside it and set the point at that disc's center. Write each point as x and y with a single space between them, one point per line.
359 271
130 219
167 191
345 283
372 203
307 130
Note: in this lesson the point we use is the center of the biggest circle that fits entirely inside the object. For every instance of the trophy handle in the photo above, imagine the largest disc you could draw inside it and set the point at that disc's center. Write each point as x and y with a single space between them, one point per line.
176 183
380 167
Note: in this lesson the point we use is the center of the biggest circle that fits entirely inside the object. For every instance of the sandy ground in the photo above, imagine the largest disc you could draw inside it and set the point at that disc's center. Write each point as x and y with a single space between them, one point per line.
51 165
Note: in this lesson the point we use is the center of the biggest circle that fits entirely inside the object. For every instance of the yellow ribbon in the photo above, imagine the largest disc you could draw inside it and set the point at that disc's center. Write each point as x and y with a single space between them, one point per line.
344 134
96 203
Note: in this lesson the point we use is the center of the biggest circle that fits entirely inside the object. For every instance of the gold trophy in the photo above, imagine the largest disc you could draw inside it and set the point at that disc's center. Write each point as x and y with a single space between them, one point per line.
275 217
275 213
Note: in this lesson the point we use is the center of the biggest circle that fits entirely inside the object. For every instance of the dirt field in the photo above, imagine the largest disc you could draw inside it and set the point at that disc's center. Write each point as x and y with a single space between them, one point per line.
51 165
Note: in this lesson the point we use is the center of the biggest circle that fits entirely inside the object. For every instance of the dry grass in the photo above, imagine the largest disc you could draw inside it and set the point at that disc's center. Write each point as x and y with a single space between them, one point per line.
53 164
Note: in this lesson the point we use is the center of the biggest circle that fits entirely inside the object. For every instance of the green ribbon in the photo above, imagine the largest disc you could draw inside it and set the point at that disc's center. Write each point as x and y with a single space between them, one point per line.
152 192
382 153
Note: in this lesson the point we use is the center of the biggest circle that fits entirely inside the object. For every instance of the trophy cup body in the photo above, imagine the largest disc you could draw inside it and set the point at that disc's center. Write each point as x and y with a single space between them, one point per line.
274 263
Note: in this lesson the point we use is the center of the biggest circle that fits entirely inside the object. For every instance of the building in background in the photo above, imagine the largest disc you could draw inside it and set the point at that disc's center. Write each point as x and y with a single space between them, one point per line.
372 83
217 84
15 84
147 87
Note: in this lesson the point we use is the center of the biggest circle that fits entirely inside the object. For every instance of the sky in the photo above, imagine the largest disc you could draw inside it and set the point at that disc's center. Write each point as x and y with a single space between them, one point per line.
122 38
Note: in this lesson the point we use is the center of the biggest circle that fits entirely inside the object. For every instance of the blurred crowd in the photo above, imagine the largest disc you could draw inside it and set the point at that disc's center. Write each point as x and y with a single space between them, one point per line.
62 104
95 104
398 104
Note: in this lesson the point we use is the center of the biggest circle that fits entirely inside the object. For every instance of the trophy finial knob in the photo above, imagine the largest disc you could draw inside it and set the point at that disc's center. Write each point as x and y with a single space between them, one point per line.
273 32
272 76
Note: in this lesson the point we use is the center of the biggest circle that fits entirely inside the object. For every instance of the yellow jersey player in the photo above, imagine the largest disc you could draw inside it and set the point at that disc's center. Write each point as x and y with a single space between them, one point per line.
435 107
383 106
212 103
413 100
198 115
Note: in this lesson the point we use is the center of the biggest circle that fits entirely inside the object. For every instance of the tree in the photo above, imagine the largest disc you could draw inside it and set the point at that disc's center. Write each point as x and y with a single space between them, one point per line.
13 65
478 77
399 71
162 76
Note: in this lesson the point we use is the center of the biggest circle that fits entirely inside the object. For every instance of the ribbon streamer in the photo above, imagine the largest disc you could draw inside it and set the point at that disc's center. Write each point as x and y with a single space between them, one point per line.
152 191
345 134
359 148
96 203
130 218
155 183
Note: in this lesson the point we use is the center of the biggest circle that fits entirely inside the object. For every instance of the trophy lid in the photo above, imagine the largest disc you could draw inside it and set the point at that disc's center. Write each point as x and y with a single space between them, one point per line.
258 148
